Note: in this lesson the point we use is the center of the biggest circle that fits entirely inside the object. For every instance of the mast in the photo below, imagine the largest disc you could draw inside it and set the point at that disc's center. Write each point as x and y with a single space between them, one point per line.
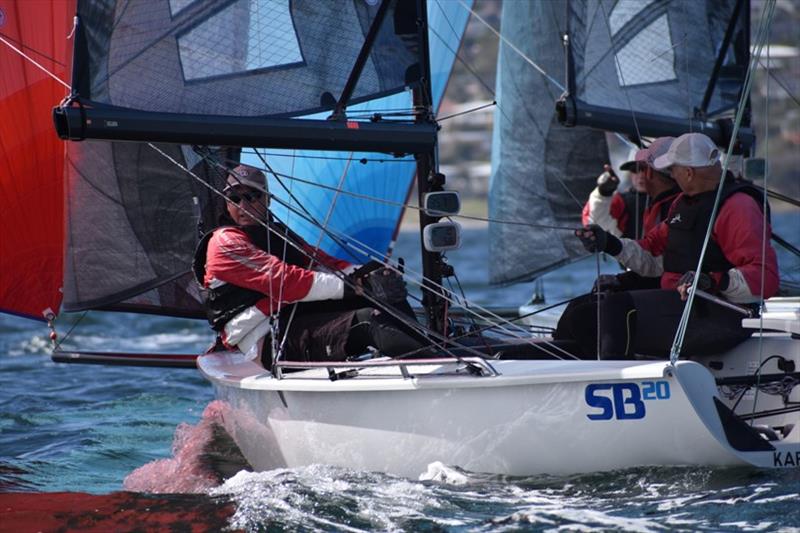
428 180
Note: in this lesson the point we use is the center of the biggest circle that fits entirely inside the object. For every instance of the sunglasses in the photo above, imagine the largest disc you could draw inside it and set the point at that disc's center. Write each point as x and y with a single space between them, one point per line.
247 196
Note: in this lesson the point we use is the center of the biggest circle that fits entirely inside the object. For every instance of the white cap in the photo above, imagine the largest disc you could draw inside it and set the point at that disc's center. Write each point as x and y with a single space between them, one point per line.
689 150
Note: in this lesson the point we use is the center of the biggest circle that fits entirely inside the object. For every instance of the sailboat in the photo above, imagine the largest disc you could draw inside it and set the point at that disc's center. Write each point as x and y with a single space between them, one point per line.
163 97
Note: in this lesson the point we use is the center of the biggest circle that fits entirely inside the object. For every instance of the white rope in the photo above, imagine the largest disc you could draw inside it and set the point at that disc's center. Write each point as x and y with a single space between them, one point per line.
34 62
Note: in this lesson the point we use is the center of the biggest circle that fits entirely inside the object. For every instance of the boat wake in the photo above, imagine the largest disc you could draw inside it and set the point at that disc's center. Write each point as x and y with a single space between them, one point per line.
203 455
641 499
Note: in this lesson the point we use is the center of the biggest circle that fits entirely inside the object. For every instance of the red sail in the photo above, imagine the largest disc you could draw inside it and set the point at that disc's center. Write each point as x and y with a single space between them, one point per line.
31 156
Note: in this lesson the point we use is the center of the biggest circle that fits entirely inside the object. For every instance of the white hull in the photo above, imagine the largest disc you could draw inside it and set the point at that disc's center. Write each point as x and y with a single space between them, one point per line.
533 418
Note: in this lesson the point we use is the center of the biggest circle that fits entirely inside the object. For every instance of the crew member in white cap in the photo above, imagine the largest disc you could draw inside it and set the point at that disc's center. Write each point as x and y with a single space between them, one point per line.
732 266
255 268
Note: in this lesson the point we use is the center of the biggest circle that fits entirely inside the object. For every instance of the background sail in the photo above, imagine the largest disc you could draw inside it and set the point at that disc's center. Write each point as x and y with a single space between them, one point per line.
628 56
132 223
542 171
657 57
31 155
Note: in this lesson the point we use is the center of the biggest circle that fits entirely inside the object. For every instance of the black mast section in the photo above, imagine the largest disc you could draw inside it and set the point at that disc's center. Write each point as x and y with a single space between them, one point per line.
428 180
723 51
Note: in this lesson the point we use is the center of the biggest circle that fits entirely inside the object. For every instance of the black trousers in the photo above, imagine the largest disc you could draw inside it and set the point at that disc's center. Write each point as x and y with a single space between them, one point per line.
644 322
334 330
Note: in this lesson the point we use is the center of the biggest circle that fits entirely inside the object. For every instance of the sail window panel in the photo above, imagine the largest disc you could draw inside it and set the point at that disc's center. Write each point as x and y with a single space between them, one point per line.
239 57
176 6
249 35
624 11
648 57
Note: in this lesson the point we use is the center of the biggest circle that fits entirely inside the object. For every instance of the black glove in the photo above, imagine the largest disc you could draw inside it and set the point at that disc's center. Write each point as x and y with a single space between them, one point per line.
607 282
607 182
705 282
596 239
366 268
386 285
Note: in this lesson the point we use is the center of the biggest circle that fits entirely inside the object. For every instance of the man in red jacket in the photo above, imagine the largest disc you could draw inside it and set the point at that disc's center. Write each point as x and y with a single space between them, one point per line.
644 322
254 269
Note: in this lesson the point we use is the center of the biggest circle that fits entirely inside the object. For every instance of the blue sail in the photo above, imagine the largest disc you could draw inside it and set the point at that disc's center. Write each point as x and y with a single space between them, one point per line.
370 220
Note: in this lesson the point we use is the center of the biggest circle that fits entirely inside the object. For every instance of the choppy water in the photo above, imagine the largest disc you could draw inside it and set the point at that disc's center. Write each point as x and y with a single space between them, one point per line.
100 430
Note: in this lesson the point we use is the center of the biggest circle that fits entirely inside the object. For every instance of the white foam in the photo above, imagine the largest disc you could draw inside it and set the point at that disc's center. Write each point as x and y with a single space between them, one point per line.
442 473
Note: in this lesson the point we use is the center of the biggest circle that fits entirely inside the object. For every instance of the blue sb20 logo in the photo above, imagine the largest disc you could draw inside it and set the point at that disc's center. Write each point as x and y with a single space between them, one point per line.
623 401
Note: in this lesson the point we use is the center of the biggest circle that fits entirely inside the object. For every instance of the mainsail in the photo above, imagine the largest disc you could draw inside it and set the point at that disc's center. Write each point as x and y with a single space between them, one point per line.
31 155
134 215
639 67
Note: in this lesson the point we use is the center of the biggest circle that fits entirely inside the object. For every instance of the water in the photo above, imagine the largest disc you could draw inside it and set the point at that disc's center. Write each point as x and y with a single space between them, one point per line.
117 432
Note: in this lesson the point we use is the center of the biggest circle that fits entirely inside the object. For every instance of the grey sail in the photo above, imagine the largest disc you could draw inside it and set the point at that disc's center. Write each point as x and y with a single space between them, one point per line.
133 217
650 68
542 171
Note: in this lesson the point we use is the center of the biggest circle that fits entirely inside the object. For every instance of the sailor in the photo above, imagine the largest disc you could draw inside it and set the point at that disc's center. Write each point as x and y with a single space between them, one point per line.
253 270
635 212
644 322
661 191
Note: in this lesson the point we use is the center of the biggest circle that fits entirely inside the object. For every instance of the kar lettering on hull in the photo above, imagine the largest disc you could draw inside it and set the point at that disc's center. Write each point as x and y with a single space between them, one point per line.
786 459
623 401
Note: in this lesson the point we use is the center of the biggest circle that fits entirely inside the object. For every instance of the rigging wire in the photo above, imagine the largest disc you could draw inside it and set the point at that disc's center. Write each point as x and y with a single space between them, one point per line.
67 334
414 207
530 61
362 160
782 84
766 20
621 74
440 289
368 251
23 46
34 62
484 106
765 222
430 335
323 231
